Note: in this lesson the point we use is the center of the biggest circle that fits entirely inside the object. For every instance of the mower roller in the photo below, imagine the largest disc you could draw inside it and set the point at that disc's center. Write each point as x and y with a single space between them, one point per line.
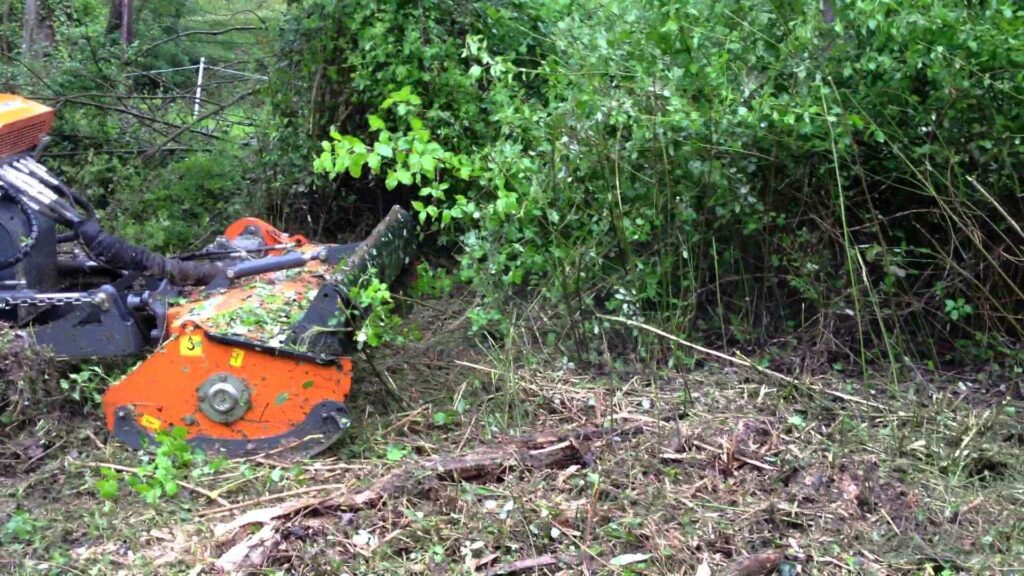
247 342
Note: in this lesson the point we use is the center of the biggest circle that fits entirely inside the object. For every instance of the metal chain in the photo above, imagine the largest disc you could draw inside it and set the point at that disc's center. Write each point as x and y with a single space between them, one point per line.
48 300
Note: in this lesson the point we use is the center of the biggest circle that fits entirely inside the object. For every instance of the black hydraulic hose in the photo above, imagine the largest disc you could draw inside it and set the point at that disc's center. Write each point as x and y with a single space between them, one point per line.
33 231
123 255
78 200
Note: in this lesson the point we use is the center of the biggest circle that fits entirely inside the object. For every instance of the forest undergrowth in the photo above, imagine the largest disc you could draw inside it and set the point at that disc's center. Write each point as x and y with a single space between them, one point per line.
705 287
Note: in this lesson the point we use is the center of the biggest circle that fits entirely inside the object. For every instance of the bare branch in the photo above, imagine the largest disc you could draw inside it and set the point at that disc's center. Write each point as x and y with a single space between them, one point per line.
174 135
193 33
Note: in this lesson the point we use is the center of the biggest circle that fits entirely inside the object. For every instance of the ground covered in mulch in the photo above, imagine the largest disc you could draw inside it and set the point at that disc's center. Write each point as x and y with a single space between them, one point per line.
474 457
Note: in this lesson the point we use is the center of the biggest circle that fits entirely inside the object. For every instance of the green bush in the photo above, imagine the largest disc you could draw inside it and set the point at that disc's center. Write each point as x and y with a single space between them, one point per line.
739 171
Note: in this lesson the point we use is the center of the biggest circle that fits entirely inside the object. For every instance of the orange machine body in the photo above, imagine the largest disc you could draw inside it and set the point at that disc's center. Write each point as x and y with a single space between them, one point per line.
23 123
240 332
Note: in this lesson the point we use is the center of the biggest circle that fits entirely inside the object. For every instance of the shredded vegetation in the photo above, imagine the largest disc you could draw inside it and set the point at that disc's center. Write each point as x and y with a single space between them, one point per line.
499 460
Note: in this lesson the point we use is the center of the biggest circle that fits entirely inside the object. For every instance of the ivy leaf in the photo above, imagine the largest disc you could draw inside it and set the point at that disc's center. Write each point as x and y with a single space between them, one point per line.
376 122
405 177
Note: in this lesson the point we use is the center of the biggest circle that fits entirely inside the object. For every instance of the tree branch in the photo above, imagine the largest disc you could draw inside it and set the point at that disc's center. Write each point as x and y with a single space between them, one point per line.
153 150
178 127
193 33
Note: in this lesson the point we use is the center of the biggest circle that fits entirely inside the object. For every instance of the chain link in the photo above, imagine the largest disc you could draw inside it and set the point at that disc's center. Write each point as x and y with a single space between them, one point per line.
69 299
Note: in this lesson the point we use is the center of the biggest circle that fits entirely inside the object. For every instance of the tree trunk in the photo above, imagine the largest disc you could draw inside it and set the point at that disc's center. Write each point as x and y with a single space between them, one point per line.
119 19
5 41
114 17
37 32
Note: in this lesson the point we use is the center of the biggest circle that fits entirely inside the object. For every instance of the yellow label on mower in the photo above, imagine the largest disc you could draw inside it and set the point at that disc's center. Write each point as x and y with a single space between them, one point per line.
150 422
237 356
190 345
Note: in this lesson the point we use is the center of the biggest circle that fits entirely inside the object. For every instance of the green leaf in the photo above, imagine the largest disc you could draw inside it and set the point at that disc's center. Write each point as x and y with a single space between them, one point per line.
108 488
373 161
355 165
170 488
376 122
152 495
383 149
307 384
396 452
404 176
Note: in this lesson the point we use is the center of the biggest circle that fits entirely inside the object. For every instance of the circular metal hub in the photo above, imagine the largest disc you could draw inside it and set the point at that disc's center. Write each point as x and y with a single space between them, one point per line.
224 397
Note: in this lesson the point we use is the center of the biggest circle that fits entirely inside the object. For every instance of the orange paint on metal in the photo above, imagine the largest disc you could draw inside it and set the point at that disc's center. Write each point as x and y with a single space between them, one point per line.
165 387
23 123
269 234
284 390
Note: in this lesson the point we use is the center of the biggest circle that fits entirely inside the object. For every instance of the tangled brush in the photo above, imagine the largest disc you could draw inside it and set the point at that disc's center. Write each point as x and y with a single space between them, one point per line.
27 376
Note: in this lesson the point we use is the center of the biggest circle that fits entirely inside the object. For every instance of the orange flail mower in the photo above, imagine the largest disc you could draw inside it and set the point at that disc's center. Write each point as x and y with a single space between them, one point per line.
247 341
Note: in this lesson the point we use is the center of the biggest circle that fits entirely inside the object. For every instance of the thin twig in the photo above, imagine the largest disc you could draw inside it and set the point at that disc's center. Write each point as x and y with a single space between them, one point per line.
193 33
998 206
44 453
738 361
702 349
229 507
153 150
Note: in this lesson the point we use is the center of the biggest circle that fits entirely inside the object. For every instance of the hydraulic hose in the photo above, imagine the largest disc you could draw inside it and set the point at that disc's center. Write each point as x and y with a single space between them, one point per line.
120 254
33 230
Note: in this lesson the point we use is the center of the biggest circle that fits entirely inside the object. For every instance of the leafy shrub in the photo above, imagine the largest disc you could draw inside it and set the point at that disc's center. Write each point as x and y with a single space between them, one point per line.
749 169
165 207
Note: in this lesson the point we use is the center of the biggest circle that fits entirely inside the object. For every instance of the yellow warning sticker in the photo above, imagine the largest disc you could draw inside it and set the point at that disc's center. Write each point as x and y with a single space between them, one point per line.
150 422
190 345
237 357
